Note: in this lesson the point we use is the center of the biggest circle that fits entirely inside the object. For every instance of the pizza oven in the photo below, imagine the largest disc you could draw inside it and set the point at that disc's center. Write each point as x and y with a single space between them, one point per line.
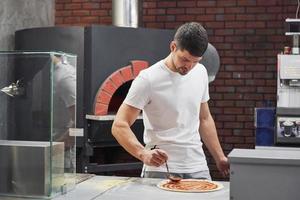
113 58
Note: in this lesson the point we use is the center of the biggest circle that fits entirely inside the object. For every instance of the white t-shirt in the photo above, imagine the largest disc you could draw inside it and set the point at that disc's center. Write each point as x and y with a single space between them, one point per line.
171 105
64 86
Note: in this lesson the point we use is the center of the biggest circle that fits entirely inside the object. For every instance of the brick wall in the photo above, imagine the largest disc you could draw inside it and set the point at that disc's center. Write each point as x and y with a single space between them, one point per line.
248 34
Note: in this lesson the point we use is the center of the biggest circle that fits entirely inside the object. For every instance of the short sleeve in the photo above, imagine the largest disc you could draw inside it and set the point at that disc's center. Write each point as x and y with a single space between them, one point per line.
205 96
139 92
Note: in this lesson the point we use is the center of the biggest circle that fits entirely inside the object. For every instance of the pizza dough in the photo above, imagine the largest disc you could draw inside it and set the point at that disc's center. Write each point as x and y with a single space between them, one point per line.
190 185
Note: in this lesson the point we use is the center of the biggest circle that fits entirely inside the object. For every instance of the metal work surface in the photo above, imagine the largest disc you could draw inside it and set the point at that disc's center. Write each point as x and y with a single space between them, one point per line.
113 188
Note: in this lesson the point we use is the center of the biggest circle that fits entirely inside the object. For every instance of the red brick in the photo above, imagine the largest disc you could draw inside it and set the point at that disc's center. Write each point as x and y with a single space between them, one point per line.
72 6
91 5
224 103
165 18
226 118
256 10
156 11
235 82
156 25
81 12
71 20
105 5
59 6
243 132
233 125
234 139
226 3
99 12
214 24
266 3
185 18
242 89
242 75
63 13
224 132
198 11
265 31
224 75
175 11
227 89
149 4
63 1
253 96
245 103
246 60
245 17
172 25
255 68
234 68
224 32
232 96
204 18
225 17
103 97
126 72
206 3
266 90
246 2
256 24
149 18
186 4
137 66
89 19
233 110
105 20
108 86
79 1
235 24
256 82
100 109
117 78
235 10
214 10
166 4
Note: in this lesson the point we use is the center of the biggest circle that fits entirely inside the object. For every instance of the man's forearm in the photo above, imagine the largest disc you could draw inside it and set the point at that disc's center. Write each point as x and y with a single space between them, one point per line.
209 136
127 139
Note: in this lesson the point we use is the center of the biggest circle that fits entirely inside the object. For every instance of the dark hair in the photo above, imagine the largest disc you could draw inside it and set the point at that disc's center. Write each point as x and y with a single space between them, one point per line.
192 37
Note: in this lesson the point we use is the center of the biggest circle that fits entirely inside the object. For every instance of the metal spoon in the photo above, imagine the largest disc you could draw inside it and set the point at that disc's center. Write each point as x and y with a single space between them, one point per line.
172 177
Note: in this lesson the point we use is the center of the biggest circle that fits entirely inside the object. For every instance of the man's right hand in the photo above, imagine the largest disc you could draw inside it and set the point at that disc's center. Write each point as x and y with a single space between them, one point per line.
154 157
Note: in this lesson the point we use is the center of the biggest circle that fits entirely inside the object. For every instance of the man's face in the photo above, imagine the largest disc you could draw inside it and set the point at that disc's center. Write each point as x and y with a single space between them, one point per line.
182 60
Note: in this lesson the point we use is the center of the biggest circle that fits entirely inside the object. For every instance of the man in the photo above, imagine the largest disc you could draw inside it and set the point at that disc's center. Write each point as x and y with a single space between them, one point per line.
64 103
173 95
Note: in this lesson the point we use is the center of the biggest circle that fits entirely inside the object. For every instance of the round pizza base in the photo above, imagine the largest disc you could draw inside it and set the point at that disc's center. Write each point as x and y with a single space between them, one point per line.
219 186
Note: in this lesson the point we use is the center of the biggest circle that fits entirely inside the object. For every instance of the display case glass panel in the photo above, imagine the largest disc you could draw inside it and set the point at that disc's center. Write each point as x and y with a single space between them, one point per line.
37 116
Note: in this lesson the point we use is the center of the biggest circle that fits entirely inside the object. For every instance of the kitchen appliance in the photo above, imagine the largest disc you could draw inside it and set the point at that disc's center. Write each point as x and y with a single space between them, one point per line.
288 90
264 173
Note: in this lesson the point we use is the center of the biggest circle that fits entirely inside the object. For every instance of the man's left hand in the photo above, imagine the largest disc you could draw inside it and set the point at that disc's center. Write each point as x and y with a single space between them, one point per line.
223 166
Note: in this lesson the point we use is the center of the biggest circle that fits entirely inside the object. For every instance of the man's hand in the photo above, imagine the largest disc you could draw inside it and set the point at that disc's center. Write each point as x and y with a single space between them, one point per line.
223 166
155 157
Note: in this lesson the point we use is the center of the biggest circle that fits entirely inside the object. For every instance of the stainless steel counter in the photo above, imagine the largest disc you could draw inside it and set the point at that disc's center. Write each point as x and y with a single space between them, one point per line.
123 188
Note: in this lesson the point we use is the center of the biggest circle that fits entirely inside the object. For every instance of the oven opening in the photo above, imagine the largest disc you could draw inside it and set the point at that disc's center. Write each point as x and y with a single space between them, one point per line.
118 98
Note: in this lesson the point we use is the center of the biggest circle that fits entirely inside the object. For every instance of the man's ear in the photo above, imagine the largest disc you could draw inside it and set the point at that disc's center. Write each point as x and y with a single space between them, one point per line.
173 46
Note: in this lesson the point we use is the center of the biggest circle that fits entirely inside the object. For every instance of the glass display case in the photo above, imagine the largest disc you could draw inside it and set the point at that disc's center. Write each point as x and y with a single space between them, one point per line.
37 118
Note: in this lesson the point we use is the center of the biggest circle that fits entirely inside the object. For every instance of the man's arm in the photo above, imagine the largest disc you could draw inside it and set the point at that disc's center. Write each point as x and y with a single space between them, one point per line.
121 130
209 136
